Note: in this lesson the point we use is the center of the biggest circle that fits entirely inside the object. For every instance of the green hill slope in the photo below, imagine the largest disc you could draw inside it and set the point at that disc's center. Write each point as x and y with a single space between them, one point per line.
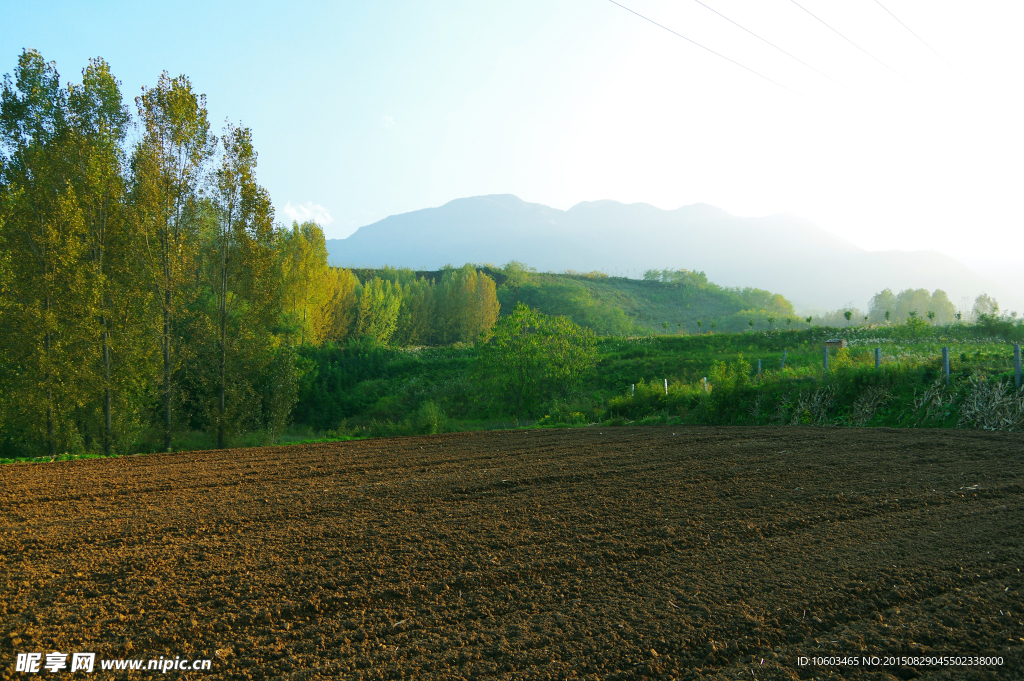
620 306
670 302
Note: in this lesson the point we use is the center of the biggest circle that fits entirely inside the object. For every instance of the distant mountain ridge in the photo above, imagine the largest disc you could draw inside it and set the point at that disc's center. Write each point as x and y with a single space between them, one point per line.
781 253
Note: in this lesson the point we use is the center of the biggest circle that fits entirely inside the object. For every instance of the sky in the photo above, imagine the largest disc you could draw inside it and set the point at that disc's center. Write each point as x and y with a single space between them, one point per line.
895 136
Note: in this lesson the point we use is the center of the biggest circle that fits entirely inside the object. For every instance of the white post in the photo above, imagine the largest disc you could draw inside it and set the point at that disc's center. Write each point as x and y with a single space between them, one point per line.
666 386
705 379
632 390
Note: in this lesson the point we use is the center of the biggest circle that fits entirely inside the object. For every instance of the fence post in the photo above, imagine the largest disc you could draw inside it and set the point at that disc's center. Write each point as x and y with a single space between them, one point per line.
783 359
705 384
1016 364
632 390
878 357
826 359
666 386
945 363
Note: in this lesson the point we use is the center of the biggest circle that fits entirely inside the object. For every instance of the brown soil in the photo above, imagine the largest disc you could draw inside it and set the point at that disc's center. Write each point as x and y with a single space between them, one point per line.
620 553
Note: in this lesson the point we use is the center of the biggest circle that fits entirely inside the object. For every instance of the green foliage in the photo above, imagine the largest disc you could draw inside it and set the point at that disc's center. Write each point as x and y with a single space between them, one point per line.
139 285
1001 326
353 385
985 305
533 358
308 287
416 316
465 306
379 304
363 389
430 419
168 165
240 266
733 375
616 306
907 391
914 327
455 305
563 414
888 307
761 300
149 302
576 297
72 376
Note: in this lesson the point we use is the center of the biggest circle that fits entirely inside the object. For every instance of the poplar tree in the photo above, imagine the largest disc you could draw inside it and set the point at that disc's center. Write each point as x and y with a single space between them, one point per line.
49 305
244 279
309 286
482 306
416 314
379 304
169 166
466 305
342 305
98 122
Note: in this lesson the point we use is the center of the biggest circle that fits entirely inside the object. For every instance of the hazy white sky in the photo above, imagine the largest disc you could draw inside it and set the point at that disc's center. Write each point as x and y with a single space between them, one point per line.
362 110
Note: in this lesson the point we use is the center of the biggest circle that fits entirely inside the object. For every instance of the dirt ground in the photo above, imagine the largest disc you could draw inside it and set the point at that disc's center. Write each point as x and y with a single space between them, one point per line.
623 553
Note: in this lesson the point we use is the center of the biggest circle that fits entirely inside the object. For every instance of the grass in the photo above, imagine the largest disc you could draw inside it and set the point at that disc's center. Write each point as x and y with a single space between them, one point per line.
852 392
389 398
620 306
365 390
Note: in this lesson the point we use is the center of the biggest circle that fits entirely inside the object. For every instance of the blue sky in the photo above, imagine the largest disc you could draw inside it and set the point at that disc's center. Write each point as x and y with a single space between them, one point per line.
362 110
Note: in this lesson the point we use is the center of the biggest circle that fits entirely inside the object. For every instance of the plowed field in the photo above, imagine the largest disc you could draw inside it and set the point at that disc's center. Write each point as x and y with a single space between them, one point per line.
621 553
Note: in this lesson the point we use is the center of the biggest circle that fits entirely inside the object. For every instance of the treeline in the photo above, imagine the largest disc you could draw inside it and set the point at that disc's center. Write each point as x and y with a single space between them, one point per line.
391 306
143 283
147 293
712 308
918 306
145 288
459 306
747 298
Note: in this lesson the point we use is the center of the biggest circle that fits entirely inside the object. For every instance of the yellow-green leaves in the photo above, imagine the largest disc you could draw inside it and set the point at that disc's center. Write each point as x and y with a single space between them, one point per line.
466 306
49 334
308 285
169 165
379 304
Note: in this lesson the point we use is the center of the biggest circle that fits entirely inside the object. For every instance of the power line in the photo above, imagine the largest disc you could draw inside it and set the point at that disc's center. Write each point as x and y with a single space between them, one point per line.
772 44
713 52
853 43
918 37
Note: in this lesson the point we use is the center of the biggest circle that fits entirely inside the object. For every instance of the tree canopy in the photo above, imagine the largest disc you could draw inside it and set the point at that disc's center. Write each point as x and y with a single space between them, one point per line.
533 358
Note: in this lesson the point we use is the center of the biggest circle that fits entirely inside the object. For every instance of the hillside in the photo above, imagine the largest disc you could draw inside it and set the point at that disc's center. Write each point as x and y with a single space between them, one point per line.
686 301
616 306
784 253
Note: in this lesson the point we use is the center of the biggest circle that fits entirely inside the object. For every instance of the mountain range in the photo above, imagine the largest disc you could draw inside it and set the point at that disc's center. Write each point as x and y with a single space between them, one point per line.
814 268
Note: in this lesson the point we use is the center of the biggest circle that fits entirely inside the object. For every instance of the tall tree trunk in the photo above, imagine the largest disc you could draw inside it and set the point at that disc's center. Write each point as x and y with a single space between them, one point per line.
107 430
167 371
51 447
104 334
223 342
